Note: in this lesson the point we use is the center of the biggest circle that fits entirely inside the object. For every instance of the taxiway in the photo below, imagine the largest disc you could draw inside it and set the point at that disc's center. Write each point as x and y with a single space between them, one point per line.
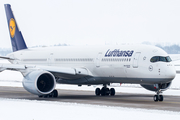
170 103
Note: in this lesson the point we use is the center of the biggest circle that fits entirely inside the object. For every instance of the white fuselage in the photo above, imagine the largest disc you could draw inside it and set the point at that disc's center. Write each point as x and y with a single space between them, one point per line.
110 64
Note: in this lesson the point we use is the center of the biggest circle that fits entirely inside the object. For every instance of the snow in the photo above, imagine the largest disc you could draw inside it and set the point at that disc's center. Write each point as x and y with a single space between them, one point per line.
43 110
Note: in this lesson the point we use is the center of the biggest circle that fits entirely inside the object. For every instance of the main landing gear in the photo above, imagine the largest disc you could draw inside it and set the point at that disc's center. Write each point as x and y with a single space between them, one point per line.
158 97
104 91
53 94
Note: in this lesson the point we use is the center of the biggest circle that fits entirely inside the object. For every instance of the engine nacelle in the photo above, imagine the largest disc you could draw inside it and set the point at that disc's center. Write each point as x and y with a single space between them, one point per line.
39 82
156 87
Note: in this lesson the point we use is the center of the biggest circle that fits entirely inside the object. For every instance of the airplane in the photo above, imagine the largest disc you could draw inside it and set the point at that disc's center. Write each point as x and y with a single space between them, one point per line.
43 68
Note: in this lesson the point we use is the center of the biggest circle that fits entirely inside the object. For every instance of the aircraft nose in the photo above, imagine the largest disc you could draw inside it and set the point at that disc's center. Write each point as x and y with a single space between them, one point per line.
171 72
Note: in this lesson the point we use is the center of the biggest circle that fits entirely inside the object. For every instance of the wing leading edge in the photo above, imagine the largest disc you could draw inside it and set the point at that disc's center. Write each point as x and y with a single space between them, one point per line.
58 71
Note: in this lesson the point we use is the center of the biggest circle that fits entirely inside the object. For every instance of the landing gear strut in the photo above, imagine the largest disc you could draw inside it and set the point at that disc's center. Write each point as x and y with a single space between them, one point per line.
158 97
53 94
104 91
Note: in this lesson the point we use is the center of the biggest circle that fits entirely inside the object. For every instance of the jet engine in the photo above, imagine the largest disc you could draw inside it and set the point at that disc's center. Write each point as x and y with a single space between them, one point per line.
156 87
39 82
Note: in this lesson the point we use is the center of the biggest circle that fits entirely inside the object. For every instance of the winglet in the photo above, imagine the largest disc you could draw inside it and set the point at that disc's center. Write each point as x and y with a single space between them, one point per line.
17 39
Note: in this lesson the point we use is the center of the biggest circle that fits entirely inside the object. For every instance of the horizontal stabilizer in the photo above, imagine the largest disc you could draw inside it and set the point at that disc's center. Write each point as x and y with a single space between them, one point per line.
7 58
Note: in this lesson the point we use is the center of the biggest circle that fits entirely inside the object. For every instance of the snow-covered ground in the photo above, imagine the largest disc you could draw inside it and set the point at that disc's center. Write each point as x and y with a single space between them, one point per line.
42 110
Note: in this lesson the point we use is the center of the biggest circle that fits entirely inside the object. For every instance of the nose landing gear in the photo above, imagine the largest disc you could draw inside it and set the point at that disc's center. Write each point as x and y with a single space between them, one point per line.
158 97
104 91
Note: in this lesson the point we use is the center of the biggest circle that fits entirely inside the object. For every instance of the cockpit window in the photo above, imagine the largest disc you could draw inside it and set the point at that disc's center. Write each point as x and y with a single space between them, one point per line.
163 59
168 59
160 58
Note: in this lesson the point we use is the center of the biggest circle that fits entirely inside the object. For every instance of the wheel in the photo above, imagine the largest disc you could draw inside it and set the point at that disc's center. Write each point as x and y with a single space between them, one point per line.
46 96
55 93
112 92
107 91
160 97
50 95
97 91
40 96
103 91
155 98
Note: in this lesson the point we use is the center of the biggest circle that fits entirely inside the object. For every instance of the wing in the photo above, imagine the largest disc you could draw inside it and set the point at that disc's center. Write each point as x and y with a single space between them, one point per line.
177 70
60 72
176 61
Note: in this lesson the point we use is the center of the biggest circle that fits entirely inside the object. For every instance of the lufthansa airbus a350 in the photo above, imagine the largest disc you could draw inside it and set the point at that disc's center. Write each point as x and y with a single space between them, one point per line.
43 68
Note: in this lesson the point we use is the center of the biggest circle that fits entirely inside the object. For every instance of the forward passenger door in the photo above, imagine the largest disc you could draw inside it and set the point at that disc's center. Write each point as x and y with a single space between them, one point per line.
136 59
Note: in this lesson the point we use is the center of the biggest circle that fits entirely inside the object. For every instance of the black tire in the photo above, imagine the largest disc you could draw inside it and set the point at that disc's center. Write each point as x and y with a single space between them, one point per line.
46 96
50 95
97 91
40 96
161 98
155 98
55 95
107 91
112 91
103 91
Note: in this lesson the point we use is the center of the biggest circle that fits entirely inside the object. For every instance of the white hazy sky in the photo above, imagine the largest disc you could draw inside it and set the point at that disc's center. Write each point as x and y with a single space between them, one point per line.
49 22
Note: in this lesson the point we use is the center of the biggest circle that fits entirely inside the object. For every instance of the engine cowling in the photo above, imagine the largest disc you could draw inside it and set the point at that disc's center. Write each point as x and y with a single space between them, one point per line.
156 87
39 82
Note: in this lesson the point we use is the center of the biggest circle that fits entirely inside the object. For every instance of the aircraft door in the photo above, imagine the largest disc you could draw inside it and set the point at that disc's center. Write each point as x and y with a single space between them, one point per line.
98 59
135 60
50 59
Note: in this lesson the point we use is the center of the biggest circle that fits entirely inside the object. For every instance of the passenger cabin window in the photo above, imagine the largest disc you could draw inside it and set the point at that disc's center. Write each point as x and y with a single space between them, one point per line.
160 58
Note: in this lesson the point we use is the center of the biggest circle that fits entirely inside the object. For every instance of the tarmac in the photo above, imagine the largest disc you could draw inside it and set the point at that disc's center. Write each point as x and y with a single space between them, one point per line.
130 100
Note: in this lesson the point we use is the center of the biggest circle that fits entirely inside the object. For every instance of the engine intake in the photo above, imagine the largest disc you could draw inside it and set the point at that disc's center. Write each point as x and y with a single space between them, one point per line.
39 82
45 83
